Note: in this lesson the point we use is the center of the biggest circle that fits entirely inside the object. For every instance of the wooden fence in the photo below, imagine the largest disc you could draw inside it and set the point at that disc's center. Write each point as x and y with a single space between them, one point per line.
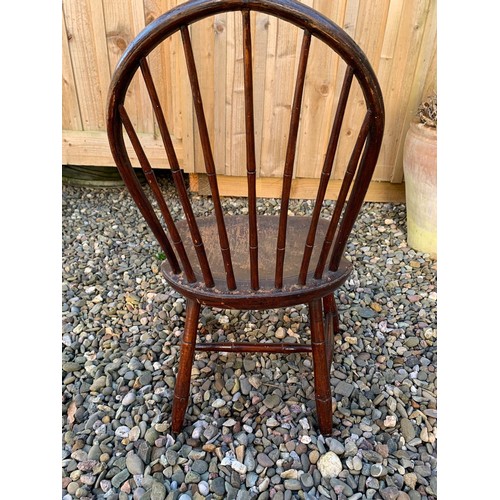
398 37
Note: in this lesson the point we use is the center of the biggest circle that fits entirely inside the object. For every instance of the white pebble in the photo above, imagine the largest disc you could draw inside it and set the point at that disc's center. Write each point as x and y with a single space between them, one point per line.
390 421
128 398
239 467
304 423
197 432
329 465
122 431
203 488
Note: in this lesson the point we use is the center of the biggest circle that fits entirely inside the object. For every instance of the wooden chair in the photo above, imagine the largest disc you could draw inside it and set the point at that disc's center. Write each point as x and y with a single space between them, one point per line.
261 262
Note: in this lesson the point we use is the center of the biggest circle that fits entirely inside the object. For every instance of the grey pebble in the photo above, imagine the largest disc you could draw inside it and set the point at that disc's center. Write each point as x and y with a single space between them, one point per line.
119 478
158 491
139 493
172 456
390 493
407 429
378 470
94 452
336 446
340 486
344 388
71 367
151 435
251 479
264 460
366 312
192 477
372 456
120 340
134 464
272 401
307 480
128 399
217 486
199 466
292 484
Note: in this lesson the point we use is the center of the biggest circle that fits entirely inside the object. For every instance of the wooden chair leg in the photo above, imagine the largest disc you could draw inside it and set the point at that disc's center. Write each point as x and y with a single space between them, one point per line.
183 382
332 326
322 386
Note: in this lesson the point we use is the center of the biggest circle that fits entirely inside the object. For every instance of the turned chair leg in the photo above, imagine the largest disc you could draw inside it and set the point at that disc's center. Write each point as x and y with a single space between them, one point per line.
183 382
322 386
332 326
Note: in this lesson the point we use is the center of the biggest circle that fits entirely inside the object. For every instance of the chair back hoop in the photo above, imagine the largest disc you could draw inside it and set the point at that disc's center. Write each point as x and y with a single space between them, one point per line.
358 172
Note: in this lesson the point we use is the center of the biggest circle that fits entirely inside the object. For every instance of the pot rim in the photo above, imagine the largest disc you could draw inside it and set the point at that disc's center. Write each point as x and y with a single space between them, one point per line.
423 129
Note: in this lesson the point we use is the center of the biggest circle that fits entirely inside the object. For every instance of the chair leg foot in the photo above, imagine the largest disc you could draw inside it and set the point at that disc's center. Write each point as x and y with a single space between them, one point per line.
323 392
183 382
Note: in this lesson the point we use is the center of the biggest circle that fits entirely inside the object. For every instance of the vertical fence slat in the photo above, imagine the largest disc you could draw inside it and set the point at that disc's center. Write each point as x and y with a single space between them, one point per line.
87 47
250 149
278 91
203 43
235 102
209 161
71 117
290 159
220 69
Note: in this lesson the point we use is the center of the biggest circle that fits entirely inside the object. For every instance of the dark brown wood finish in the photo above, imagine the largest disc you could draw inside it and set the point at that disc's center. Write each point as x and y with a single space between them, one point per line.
332 326
325 174
253 240
261 262
321 367
250 347
290 158
209 159
177 176
339 204
186 358
153 183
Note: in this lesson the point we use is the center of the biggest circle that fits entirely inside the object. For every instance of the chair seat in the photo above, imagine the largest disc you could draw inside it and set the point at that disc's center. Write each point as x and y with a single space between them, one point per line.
267 296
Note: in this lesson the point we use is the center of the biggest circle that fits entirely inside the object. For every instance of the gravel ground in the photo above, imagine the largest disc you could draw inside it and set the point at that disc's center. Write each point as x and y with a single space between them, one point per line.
250 428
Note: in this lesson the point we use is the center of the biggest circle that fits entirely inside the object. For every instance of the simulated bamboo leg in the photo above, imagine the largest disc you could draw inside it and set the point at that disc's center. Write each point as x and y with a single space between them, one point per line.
332 326
322 386
183 382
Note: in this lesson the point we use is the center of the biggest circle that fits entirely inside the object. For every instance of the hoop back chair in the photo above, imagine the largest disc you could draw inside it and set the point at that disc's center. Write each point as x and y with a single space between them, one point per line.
252 262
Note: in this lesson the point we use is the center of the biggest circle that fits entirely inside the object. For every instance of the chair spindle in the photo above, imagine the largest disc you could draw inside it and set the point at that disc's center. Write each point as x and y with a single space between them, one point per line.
360 187
208 156
326 173
250 151
344 189
151 179
177 176
290 158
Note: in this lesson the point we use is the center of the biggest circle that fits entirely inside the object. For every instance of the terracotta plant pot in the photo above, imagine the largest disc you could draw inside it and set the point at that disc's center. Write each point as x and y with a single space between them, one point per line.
420 172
